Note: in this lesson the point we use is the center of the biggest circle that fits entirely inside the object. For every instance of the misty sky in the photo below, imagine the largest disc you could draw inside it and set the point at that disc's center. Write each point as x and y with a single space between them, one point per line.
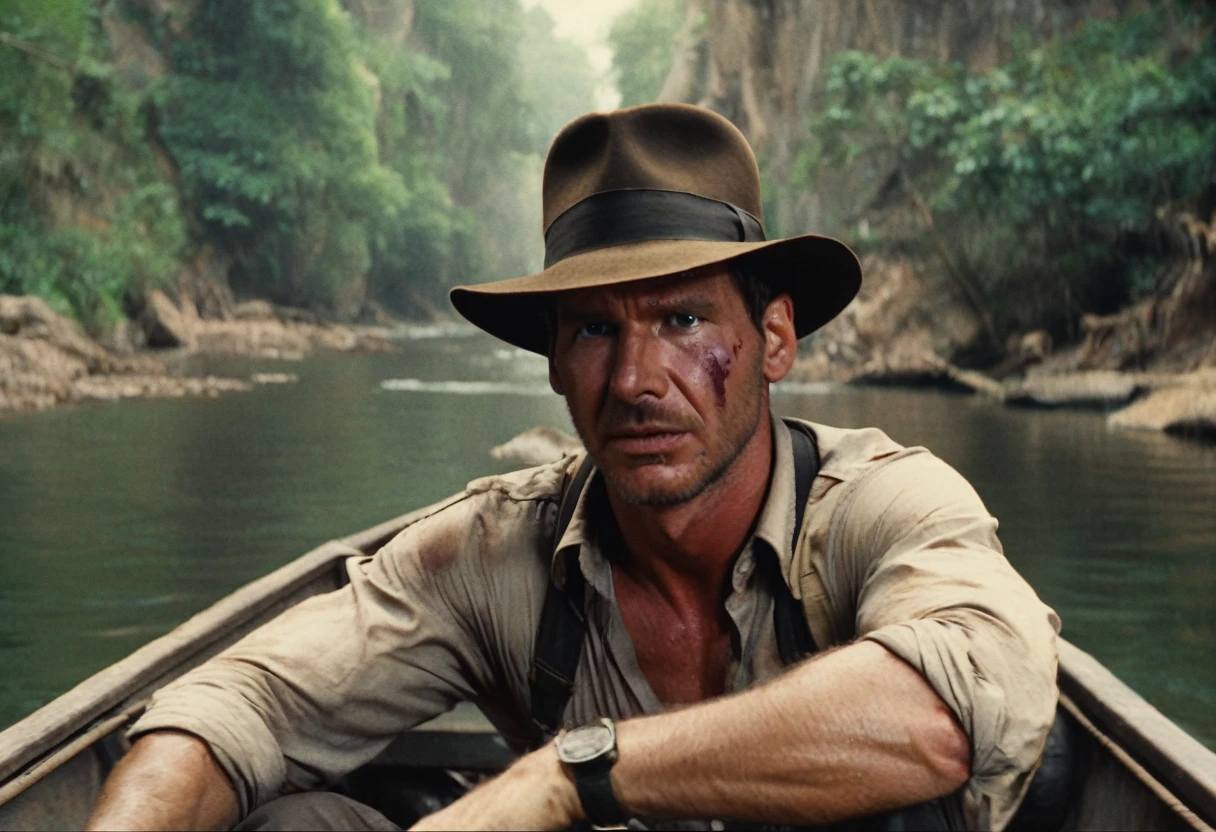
586 22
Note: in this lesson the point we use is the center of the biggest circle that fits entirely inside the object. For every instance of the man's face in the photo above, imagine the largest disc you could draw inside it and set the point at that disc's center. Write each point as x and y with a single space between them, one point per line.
664 379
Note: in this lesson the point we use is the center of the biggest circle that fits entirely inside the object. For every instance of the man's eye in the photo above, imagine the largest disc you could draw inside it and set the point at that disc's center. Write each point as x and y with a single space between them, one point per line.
682 320
594 330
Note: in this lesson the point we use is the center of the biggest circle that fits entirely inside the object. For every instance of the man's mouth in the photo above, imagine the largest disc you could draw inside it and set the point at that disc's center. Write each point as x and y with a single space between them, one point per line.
644 441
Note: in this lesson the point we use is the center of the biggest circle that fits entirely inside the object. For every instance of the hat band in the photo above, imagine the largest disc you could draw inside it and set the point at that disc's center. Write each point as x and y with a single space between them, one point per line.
615 218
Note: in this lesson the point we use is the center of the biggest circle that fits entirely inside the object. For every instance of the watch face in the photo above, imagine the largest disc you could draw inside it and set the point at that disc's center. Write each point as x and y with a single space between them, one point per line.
582 744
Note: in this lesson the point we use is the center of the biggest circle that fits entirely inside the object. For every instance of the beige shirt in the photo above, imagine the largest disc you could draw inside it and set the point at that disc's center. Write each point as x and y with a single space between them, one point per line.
896 547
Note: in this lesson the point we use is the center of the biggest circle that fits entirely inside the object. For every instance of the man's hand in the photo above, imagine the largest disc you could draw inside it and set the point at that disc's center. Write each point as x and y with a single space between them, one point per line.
167 780
534 793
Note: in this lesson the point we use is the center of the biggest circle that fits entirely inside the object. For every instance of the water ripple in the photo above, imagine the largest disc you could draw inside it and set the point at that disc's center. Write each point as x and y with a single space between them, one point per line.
465 388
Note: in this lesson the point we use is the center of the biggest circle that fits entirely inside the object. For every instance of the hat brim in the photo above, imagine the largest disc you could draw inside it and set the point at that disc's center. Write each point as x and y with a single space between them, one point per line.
821 275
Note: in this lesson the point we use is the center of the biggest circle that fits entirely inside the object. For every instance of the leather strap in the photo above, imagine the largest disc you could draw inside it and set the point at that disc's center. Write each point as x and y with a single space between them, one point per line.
563 627
614 218
794 639
597 797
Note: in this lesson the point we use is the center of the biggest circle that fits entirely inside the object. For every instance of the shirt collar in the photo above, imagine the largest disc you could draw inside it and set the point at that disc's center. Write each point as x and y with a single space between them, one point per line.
578 531
775 525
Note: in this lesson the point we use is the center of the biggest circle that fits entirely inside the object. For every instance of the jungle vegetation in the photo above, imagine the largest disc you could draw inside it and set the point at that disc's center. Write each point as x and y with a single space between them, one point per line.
331 152
1043 181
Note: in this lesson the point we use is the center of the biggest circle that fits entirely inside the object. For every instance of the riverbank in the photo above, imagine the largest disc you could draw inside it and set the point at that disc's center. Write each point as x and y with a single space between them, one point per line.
1179 403
1151 365
46 360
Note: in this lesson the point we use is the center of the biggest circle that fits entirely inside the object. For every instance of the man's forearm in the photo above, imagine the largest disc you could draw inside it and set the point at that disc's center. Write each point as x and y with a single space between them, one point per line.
851 733
167 780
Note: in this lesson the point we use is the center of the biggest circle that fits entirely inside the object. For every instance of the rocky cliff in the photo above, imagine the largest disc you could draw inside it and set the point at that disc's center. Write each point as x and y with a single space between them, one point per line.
760 63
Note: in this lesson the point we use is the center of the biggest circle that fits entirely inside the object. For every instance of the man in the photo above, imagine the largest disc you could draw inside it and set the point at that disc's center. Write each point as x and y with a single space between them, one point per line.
662 574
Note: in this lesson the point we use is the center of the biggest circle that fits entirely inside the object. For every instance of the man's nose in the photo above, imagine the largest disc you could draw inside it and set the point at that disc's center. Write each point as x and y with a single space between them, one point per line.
639 369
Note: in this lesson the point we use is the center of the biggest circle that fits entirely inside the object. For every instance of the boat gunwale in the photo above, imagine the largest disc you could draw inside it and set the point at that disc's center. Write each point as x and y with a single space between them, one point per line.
1175 758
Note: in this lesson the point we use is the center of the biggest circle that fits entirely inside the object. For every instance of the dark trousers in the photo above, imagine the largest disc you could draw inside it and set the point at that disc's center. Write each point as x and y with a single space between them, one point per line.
317 810
336 813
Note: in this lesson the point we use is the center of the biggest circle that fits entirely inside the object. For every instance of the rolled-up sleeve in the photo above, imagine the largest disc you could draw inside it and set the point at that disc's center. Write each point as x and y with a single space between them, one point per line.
326 686
921 554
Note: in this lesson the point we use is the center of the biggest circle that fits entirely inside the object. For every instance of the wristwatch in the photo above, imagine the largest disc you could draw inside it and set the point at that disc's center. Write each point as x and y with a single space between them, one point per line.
590 751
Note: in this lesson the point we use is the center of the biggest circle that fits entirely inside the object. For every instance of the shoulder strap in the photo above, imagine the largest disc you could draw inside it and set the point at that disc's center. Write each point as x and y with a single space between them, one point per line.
559 638
794 639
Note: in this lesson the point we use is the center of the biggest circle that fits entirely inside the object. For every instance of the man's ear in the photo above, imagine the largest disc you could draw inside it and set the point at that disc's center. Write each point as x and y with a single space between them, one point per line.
780 340
555 382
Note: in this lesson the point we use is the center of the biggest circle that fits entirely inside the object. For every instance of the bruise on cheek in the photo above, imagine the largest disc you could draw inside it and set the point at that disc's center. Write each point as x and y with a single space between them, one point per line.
717 362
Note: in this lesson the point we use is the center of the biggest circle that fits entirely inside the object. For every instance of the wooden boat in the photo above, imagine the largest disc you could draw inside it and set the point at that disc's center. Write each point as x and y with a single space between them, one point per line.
1135 769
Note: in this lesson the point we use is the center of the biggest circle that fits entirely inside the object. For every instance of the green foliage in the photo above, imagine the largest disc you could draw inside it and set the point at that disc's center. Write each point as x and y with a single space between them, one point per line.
644 41
1044 170
454 118
86 273
85 216
274 130
330 148
464 124
325 155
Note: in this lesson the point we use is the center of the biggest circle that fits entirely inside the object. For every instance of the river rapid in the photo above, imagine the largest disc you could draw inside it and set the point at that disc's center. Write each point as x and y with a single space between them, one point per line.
119 521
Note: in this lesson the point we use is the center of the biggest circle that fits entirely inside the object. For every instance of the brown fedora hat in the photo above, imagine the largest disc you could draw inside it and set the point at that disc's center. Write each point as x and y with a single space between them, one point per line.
653 191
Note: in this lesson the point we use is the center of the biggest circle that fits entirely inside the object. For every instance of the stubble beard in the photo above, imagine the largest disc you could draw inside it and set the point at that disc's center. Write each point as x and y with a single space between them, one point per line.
738 432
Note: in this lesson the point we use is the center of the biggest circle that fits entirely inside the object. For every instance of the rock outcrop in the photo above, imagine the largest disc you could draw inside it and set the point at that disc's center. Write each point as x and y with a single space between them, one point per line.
32 321
537 446
897 321
164 324
1187 406
1173 329
925 370
292 341
1102 389
45 360
254 328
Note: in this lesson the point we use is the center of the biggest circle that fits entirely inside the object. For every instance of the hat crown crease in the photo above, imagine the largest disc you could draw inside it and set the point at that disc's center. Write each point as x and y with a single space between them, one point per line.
656 147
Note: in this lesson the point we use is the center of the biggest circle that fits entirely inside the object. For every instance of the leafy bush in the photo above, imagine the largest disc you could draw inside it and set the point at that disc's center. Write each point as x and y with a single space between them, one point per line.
85 216
1046 174
274 131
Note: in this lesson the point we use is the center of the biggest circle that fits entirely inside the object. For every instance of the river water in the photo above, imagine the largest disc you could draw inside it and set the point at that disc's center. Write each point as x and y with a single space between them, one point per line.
117 522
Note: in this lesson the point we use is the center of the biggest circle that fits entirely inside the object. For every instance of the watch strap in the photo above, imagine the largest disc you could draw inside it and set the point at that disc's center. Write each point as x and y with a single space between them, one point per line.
595 793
